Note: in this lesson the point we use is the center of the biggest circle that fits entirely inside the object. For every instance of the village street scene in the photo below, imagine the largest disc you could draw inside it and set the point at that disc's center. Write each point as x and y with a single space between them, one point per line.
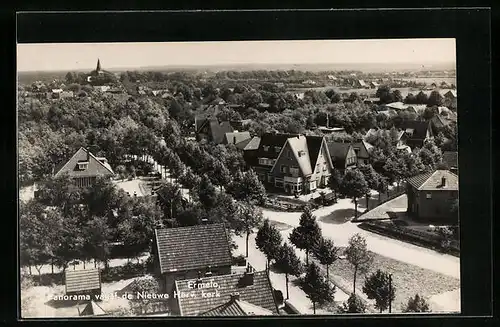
277 188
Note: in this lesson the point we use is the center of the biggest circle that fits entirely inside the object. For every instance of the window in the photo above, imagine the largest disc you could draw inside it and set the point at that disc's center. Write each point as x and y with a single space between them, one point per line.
294 171
289 154
428 196
83 165
266 162
266 148
283 169
277 149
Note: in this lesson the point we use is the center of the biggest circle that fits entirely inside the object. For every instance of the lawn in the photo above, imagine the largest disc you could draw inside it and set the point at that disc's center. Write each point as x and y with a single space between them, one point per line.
407 279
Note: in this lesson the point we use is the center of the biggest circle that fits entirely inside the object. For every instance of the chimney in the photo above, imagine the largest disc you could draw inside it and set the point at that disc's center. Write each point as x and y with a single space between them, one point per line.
204 221
443 181
235 296
248 276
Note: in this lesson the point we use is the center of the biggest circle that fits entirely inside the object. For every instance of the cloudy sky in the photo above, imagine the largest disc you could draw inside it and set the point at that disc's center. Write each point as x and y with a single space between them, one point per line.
76 56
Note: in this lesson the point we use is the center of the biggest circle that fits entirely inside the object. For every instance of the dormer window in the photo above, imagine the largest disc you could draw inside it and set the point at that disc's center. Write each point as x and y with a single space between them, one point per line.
83 165
277 149
266 148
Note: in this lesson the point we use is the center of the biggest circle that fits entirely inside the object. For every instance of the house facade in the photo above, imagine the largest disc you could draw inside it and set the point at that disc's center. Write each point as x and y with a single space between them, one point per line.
85 168
362 150
342 155
190 253
417 132
292 162
431 196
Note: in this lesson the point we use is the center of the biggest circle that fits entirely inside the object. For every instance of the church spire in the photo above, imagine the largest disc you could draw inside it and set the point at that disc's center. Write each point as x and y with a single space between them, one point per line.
98 65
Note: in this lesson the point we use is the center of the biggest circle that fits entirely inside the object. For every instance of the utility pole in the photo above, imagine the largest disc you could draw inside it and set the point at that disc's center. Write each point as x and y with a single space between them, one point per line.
390 292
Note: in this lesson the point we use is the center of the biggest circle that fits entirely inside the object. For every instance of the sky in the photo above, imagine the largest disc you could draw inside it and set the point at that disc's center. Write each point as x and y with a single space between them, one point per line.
81 56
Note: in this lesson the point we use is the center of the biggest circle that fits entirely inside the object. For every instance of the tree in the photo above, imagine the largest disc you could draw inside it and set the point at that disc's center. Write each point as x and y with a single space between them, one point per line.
354 186
384 94
248 218
288 262
371 178
220 175
397 96
169 197
96 236
268 240
307 234
334 182
120 171
146 285
207 193
246 186
358 256
378 287
416 304
421 98
354 304
326 253
318 290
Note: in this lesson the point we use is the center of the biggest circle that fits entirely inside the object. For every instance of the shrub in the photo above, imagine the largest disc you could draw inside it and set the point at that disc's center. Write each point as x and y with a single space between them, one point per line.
127 271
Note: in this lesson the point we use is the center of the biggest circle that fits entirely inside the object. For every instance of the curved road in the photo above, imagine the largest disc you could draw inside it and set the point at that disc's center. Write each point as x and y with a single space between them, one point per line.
398 250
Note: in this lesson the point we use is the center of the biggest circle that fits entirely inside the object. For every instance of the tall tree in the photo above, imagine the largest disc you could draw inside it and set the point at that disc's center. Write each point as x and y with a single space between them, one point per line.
288 262
307 234
169 197
435 99
421 98
378 287
247 186
268 240
326 253
335 181
416 304
358 256
318 290
97 240
354 186
371 179
249 218
207 193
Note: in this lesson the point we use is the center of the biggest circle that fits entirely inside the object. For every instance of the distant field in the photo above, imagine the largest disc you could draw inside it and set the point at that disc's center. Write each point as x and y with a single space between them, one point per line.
369 92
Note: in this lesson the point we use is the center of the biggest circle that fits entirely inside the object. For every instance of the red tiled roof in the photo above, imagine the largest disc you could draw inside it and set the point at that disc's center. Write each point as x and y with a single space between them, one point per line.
82 280
95 167
260 293
193 247
433 181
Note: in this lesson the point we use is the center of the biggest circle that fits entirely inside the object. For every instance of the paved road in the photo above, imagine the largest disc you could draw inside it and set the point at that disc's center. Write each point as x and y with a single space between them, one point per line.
341 231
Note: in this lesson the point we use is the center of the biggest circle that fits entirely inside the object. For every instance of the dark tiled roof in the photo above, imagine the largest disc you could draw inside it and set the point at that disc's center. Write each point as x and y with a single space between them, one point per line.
82 280
450 158
432 181
260 293
95 167
237 308
194 247
242 145
236 137
364 147
338 150
314 146
419 128
272 140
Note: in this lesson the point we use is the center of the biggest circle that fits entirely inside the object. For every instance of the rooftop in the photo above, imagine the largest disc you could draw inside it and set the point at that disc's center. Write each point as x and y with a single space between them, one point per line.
82 280
193 247
432 181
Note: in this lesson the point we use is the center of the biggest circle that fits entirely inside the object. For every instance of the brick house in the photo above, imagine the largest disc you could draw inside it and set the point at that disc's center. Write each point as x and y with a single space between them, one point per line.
84 168
191 252
243 294
291 162
342 155
431 195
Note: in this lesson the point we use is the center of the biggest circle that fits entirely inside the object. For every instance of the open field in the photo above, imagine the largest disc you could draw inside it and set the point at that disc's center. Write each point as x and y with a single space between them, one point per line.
407 279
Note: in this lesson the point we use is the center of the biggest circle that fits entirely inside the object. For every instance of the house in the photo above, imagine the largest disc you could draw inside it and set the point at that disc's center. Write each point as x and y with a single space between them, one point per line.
332 78
450 159
250 152
330 130
438 122
359 83
342 155
451 94
248 293
362 150
396 106
431 195
191 252
291 162
417 132
371 101
84 168
85 283
374 85
211 130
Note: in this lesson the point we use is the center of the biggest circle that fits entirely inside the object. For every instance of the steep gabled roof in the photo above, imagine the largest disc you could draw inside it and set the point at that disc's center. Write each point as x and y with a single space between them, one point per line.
314 146
299 149
259 293
82 280
193 247
95 167
272 140
419 128
432 181
338 150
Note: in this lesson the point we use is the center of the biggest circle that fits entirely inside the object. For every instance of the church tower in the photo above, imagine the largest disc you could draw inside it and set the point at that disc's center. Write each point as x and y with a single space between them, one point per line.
98 69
